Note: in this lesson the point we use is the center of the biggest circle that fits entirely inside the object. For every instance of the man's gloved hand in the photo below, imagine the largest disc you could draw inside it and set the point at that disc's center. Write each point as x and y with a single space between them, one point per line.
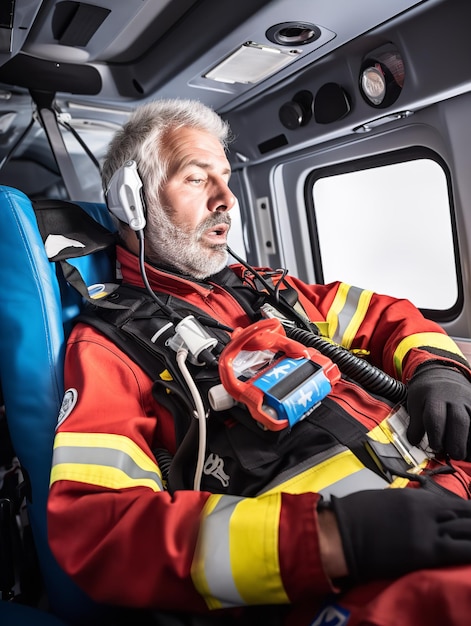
439 404
388 533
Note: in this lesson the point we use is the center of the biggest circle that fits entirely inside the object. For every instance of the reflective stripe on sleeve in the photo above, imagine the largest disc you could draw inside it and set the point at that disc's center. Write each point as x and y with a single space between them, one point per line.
419 340
347 312
105 460
334 472
236 561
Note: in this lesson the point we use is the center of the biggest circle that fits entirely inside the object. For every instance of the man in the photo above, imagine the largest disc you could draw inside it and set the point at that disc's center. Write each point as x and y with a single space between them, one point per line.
265 528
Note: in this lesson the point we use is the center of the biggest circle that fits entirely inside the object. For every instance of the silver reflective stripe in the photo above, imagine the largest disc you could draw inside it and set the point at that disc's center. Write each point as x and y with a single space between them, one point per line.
360 481
217 565
303 466
107 457
348 311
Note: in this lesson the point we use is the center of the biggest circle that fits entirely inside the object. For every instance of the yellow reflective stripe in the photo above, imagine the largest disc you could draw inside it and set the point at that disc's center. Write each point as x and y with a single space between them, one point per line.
357 318
104 459
257 552
322 475
347 312
100 476
106 440
336 307
419 340
236 560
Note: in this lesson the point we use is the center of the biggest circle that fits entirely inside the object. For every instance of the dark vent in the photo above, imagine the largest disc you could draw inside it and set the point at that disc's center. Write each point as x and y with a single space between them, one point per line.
272 144
331 104
75 23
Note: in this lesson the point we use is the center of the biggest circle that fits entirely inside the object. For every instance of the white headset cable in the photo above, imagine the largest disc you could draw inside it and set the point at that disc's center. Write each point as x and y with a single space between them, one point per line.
200 415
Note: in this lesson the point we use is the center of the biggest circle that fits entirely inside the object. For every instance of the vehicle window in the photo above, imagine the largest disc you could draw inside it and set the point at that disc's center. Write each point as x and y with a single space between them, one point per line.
388 226
33 168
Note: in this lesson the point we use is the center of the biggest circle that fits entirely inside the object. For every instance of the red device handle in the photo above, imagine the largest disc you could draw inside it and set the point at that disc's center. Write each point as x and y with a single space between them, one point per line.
267 334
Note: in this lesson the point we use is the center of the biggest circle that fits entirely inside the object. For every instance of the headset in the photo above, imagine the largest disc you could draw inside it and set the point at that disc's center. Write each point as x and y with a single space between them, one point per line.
124 196
125 200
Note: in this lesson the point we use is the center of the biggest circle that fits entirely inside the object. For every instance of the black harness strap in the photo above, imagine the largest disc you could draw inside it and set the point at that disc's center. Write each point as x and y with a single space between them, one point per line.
135 322
58 218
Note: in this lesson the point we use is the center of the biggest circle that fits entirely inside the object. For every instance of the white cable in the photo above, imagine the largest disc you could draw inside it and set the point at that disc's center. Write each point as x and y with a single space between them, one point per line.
182 354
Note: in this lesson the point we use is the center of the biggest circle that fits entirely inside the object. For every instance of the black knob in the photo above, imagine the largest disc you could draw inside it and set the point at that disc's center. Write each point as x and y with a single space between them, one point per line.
298 111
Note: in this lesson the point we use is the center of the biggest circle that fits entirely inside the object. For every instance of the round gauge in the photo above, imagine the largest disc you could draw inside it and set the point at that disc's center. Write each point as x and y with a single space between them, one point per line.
373 84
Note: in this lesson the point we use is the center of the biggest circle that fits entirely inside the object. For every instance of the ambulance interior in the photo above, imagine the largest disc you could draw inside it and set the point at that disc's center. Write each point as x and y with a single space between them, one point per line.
350 160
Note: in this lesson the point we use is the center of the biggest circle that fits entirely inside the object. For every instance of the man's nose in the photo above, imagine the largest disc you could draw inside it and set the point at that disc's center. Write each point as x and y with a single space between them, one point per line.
222 199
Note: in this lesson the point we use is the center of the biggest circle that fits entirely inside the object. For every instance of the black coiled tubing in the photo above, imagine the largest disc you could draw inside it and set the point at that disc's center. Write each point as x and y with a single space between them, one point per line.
367 375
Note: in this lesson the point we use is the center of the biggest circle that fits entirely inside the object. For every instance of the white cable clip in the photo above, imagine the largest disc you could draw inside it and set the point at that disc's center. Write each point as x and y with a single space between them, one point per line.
194 336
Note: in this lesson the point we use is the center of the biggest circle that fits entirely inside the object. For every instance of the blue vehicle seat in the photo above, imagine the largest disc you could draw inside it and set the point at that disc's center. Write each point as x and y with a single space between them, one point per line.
36 309
12 614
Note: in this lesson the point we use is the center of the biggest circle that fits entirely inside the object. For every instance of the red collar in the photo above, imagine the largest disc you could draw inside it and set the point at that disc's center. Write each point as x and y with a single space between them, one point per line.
160 280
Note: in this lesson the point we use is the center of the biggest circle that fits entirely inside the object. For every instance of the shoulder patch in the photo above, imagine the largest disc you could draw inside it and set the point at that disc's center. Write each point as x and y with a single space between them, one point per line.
68 403
331 615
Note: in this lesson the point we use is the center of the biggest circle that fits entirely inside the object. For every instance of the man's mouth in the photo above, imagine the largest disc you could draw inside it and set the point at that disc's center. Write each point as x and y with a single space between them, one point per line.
217 234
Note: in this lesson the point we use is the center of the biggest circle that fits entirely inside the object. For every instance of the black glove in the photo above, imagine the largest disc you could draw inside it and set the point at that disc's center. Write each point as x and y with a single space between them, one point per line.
388 533
439 404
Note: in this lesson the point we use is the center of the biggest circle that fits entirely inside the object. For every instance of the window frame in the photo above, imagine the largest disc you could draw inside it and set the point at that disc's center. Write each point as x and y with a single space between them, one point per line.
371 162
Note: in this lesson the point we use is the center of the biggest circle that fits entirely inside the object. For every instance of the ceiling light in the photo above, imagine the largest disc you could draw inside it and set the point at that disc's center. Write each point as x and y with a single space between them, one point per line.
93 108
251 63
293 33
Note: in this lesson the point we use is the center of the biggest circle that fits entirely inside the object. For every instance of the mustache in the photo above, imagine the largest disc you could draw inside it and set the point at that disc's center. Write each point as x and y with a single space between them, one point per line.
214 219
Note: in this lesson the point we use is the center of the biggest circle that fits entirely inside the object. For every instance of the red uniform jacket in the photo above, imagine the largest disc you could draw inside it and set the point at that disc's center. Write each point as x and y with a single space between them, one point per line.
125 540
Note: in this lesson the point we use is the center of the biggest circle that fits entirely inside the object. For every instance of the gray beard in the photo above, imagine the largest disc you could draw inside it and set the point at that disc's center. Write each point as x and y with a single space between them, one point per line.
171 245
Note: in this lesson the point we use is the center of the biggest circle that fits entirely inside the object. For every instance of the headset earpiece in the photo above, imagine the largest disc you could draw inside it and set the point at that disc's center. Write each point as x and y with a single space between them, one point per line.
124 196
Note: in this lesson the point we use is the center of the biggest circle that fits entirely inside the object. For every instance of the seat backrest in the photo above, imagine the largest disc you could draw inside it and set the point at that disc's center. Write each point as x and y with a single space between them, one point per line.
35 304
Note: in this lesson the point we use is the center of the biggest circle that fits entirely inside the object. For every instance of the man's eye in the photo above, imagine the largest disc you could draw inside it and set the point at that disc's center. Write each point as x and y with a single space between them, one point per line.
197 181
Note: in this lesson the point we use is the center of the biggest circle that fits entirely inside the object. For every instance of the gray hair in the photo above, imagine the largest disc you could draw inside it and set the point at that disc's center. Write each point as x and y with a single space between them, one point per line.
142 139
